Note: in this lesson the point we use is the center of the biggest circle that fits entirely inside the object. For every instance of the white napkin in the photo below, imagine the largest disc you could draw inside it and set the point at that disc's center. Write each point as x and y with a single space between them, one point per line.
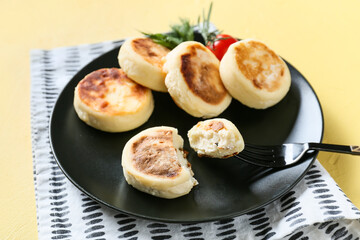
315 209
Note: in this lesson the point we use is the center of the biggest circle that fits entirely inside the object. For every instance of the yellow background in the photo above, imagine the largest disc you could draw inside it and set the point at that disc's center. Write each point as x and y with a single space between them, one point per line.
320 38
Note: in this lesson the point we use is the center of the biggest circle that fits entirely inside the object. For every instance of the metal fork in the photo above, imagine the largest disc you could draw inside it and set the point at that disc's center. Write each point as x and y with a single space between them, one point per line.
288 154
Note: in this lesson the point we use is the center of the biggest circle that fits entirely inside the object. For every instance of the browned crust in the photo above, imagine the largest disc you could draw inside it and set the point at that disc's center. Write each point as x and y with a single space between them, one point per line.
223 157
215 126
156 155
255 73
202 78
94 87
152 52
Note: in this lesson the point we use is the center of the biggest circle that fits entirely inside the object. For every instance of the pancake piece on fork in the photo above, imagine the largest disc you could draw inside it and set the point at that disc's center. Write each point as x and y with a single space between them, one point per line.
216 138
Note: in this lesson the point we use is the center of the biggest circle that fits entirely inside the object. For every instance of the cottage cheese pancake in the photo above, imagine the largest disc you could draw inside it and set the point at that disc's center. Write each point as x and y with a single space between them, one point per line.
216 138
194 82
153 162
254 74
108 100
142 60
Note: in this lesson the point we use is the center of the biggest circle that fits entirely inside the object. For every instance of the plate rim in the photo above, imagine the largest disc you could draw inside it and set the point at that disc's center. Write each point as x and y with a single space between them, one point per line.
230 215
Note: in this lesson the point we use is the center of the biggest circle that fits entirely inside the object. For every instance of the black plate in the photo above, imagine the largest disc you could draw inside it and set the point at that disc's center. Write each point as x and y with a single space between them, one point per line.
91 159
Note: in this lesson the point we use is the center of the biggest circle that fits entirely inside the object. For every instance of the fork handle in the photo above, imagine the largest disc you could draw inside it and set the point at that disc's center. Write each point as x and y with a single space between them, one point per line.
355 150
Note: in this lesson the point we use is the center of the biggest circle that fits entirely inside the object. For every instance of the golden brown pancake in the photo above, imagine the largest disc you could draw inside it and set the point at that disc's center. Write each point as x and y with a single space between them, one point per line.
97 91
153 162
256 61
254 74
110 101
201 76
152 52
194 82
142 60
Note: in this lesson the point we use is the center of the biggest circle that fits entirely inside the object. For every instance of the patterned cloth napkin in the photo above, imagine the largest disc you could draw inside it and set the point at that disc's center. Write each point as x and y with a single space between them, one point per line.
315 209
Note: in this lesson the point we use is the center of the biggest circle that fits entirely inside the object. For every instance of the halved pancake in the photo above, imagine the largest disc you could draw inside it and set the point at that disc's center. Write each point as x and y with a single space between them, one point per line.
194 82
108 100
216 138
153 162
254 74
142 60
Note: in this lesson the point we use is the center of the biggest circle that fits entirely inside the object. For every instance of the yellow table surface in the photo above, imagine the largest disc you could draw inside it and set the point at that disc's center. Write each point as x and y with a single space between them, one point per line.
320 38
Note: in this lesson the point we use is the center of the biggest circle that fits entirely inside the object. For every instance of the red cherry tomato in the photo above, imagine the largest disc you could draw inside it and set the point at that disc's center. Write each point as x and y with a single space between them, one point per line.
220 46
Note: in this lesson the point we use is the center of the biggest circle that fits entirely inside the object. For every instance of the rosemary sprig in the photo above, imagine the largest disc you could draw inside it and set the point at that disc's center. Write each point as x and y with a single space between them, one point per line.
209 36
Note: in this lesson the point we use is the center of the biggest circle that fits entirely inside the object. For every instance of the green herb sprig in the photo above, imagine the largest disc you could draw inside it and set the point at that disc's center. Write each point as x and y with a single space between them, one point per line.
179 33
208 36
185 32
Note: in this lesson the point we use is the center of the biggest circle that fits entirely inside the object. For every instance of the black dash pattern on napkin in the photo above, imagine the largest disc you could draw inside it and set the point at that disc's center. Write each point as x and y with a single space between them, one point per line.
260 223
192 231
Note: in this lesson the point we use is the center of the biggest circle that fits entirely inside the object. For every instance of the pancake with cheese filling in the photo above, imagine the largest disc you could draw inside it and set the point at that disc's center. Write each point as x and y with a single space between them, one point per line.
108 100
142 60
194 82
153 162
254 74
216 138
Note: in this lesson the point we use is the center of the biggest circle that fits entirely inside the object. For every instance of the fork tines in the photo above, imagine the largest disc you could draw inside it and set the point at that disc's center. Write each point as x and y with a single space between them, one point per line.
257 154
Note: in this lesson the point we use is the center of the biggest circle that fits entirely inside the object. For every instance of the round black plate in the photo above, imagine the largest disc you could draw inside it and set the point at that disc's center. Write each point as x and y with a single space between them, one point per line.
91 159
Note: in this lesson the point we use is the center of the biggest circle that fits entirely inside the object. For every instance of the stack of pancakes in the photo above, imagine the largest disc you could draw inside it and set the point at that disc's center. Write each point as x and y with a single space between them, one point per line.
117 100
196 80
